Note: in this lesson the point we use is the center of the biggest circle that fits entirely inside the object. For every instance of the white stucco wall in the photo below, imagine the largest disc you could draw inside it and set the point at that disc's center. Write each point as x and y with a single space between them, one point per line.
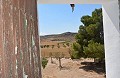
112 39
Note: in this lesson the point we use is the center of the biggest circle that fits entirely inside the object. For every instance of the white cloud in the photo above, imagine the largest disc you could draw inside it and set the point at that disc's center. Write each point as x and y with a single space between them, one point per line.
42 34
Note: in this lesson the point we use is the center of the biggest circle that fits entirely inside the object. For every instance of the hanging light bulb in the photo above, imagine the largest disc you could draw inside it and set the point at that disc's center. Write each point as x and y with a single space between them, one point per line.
72 5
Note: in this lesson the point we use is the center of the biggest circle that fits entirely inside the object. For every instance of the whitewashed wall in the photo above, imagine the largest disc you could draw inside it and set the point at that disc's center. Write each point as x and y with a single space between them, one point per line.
112 39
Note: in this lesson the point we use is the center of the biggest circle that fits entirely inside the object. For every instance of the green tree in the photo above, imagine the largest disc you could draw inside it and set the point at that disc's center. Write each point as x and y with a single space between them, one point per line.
47 46
95 50
89 35
76 51
42 46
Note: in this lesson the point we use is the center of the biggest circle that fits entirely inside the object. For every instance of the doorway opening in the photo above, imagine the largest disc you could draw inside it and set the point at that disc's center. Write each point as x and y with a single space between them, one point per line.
71 42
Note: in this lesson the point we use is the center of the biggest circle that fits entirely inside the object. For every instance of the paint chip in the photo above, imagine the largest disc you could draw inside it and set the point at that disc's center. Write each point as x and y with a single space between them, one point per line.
16 50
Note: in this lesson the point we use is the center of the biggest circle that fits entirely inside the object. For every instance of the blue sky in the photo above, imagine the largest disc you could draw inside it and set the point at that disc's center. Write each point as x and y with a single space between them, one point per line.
59 18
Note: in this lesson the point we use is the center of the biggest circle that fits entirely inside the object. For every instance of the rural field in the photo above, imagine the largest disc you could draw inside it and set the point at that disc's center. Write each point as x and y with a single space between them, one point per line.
63 49
71 69
57 62
58 43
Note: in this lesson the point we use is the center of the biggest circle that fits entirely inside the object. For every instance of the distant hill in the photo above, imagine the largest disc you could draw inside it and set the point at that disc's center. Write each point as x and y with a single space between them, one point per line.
67 36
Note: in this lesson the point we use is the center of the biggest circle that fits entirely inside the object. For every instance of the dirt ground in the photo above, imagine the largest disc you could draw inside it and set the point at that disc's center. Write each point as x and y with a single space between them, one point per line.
70 69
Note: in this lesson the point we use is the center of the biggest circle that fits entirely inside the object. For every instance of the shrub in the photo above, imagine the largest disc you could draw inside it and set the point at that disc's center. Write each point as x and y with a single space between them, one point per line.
44 62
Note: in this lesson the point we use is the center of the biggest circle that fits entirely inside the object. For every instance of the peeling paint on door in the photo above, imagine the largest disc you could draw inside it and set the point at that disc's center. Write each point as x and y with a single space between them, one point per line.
19 39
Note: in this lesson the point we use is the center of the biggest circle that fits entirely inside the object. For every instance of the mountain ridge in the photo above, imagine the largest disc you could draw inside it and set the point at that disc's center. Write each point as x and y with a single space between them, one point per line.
66 36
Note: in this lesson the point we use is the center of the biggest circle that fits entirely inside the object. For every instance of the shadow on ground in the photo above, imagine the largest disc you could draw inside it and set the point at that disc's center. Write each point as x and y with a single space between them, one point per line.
65 68
91 66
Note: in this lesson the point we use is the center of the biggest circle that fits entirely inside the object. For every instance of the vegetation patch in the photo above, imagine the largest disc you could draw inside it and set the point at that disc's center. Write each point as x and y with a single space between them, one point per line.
44 62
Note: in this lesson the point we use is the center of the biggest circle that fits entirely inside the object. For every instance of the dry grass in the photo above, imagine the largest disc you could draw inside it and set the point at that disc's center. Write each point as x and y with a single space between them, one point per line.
50 42
65 50
45 52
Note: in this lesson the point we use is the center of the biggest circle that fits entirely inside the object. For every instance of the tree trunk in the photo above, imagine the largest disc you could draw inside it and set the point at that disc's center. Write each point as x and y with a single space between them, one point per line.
60 66
51 60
